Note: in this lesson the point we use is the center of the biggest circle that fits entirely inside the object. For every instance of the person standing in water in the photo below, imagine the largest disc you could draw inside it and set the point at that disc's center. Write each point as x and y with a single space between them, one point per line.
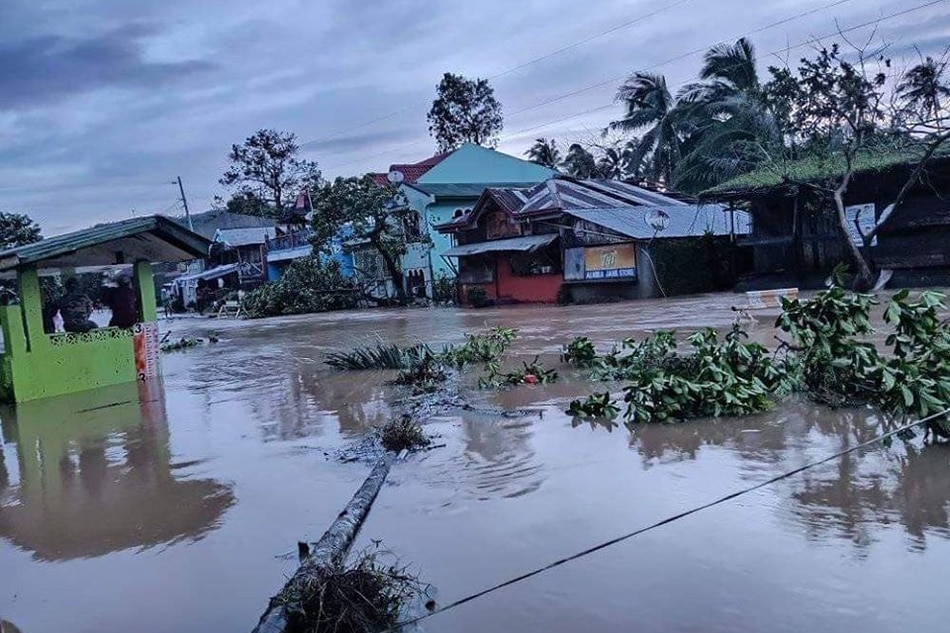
124 304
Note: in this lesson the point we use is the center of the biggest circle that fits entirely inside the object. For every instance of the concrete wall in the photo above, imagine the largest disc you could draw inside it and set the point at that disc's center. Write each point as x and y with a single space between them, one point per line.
508 288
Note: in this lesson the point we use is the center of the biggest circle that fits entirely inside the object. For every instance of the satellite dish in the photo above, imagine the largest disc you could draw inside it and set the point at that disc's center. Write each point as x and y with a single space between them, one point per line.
657 220
396 176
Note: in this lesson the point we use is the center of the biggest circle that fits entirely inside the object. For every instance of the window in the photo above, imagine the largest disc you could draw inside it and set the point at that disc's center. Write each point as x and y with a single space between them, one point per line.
476 270
542 262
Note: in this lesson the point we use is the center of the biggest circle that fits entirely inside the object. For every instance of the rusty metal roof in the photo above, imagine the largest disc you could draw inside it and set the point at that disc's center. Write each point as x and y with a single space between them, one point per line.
526 243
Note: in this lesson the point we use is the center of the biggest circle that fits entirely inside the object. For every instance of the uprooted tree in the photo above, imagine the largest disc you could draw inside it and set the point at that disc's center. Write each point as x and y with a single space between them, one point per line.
369 213
828 357
841 111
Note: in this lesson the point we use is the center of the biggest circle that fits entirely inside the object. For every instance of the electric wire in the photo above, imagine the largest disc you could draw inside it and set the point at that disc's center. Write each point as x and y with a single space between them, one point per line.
671 519
614 80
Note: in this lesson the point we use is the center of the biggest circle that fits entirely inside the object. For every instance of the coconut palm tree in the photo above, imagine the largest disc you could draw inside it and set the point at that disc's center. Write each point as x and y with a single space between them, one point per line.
544 152
651 108
922 89
734 130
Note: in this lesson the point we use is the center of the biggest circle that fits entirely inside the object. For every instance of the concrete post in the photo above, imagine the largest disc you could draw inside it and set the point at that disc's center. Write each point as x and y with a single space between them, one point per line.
145 290
31 300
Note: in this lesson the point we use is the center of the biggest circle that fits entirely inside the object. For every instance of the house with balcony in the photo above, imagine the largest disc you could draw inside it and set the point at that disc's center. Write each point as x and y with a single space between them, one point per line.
450 186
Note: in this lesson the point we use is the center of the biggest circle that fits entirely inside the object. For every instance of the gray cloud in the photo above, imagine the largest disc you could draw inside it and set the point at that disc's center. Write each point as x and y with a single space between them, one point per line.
103 102
45 69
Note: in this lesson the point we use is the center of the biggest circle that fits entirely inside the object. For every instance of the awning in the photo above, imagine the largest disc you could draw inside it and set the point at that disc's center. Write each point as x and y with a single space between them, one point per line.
525 244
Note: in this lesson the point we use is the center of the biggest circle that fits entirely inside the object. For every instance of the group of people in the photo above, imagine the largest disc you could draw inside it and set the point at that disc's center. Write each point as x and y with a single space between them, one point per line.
76 308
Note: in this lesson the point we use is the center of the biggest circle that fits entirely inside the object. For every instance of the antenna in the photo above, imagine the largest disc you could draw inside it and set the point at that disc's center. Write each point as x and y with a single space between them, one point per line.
657 220
395 176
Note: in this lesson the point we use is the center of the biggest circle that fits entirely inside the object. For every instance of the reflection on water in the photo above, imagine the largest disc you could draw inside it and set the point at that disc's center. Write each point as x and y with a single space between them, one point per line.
498 457
852 497
821 552
94 476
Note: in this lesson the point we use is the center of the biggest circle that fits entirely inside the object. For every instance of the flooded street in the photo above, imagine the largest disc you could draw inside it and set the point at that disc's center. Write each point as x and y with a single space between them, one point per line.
182 513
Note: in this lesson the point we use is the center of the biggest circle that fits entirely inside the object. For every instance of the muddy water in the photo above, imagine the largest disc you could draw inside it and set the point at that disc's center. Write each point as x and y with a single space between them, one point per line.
181 512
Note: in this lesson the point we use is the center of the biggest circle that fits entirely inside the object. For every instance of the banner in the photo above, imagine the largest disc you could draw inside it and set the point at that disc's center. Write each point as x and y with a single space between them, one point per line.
616 261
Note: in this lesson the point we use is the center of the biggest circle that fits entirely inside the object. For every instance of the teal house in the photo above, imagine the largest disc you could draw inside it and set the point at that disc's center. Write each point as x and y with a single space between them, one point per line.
447 185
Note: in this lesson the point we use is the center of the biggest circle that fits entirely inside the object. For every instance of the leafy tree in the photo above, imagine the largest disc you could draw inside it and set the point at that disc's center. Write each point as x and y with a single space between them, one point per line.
837 111
266 174
465 110
544 152
369 212
17 229
651 107
579 162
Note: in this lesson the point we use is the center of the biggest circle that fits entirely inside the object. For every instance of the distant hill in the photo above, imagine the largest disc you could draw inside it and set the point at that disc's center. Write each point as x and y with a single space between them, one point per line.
210 221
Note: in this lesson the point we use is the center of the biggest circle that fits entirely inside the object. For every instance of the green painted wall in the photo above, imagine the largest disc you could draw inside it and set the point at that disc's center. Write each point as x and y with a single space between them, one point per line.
37 365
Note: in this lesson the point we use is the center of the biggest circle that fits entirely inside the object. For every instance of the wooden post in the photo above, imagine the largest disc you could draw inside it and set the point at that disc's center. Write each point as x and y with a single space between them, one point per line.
331 549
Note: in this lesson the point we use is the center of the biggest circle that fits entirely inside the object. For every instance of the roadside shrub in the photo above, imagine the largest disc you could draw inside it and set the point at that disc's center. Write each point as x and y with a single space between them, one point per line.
308 285
444 289
478 297
481 347
840 368
728 377
597 405
533 373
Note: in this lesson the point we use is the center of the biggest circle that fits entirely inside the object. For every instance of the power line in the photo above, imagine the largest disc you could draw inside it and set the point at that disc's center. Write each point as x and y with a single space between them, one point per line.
513 69
695 51
671 519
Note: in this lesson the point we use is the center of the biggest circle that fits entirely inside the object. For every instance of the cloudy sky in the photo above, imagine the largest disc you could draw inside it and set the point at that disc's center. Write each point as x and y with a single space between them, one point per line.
104 102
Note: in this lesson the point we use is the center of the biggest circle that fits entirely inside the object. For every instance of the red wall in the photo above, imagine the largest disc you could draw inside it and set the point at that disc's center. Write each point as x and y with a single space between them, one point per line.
511 289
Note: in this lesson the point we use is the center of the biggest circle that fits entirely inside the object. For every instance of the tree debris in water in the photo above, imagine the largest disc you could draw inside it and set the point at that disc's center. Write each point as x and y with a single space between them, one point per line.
187 342
403 434
368 596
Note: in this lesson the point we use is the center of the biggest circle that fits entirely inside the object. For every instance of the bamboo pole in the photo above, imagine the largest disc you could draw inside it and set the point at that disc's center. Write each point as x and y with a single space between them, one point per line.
332 547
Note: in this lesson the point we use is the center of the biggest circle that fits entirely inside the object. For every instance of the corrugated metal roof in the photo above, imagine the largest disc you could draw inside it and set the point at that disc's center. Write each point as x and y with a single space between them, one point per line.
461 190
152 238
684 220
562 194
525 243
245 237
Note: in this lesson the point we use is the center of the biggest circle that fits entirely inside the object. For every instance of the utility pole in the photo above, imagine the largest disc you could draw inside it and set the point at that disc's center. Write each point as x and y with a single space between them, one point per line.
184 202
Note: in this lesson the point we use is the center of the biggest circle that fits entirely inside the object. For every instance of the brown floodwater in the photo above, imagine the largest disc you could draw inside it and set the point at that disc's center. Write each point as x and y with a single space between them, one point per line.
182 512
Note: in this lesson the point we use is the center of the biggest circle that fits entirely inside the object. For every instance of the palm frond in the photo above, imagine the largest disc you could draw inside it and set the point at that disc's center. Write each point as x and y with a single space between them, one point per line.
379 356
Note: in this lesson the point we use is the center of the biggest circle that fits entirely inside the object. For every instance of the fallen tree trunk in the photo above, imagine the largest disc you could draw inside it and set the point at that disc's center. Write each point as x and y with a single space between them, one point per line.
329 551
